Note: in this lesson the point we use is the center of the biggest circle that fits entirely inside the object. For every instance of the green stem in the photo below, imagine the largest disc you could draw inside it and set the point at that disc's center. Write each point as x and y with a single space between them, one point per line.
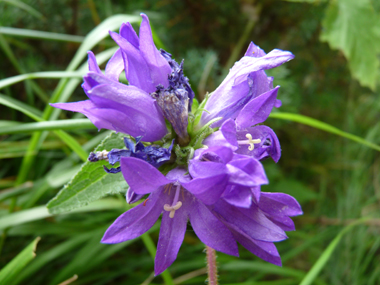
149 244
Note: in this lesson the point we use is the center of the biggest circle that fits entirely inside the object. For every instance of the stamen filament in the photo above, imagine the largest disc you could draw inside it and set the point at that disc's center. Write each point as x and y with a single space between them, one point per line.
249 142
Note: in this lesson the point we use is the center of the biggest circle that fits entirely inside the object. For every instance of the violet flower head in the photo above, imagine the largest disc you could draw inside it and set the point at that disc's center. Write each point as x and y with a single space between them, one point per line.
210 152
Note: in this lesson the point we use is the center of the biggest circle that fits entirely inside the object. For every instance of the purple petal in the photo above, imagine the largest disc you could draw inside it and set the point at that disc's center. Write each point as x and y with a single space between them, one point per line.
142 177
239 177
132 197
136 221
217 154
136 67
257 110
283 222
128 33
92 64
253 168
158 65
102 118
264 250
254 50
208 189
115 66
279 204
143 115
211 231
269 145
206 168
251 222
229 132
238 196
179 175
171 236
217 139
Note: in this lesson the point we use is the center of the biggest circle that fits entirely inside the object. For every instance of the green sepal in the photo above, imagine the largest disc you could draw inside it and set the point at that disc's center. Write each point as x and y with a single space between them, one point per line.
198 113
204 132
183 154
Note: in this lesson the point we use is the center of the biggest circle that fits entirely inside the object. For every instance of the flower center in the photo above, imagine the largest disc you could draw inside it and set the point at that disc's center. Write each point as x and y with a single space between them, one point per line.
249 142
176 204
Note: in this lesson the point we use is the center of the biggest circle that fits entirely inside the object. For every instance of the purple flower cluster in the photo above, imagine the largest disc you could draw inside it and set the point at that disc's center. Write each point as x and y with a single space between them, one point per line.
218 187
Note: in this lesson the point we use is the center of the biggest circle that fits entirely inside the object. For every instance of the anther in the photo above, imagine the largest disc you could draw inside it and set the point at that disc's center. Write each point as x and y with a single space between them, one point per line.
99 155
250 142
172 209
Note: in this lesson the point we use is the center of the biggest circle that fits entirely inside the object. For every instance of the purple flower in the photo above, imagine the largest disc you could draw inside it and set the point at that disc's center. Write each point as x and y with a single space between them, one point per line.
168 195
259 141
246 94
126 108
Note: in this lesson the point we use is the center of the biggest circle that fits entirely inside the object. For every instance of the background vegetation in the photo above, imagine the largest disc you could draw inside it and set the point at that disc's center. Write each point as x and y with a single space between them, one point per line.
334 79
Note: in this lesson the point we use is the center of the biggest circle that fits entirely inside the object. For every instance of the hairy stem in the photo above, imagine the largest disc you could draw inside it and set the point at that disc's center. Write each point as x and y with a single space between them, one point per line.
212 270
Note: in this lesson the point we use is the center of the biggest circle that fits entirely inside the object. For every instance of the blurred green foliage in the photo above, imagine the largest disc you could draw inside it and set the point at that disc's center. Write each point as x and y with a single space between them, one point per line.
336 180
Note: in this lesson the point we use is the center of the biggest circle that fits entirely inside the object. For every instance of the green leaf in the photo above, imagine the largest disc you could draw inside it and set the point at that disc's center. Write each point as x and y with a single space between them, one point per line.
25 7
322 126
349 25
13 268
325 256
91 182
73 124
40 35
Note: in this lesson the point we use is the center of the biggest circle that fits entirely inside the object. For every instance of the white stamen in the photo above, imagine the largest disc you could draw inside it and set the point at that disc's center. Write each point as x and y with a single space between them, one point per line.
172 209
102 155
176 204
249 142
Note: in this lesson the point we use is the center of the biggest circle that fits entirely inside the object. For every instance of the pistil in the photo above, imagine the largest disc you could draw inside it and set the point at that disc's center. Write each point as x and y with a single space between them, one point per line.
249 142
176 204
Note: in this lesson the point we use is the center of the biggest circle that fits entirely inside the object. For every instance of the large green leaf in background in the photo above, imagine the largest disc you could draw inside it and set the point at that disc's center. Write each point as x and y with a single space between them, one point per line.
349 25
91 182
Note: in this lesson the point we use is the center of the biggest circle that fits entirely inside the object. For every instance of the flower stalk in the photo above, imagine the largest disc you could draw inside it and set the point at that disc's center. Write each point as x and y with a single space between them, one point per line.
212 269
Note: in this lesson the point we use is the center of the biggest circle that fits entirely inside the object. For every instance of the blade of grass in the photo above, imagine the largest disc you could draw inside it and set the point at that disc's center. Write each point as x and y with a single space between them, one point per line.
26 7
51 254
73 124
40 35
22 107
326 254
13 268
41 212
27 110
48 74
322 126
